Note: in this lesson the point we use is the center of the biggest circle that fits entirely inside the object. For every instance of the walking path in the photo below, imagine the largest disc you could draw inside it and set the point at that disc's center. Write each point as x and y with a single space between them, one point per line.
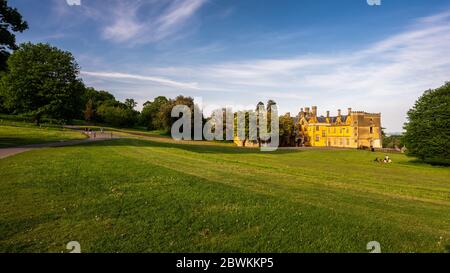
6 152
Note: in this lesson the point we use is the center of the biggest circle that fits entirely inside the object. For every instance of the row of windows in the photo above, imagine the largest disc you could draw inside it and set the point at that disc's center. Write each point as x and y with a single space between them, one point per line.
341 130
336 142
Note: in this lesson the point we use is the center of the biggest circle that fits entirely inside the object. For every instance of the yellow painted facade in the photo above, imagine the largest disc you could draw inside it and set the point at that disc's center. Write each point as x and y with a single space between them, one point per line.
354 130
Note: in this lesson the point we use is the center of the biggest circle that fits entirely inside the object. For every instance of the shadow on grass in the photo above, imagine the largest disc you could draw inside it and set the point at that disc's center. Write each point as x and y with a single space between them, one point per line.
417 162
10 142
197 148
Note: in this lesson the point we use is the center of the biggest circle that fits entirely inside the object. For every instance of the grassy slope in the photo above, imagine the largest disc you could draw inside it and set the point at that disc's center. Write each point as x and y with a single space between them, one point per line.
127 131
134 195
11 136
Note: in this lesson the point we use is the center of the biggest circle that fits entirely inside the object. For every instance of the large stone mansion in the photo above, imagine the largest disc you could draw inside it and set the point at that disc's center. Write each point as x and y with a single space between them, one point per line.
356 129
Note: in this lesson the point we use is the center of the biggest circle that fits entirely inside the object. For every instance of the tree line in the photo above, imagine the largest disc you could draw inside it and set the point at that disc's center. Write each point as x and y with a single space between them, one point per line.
43 81
40 80
427 135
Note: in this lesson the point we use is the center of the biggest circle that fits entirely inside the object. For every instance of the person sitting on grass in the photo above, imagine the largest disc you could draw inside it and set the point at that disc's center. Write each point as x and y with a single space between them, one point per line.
387 159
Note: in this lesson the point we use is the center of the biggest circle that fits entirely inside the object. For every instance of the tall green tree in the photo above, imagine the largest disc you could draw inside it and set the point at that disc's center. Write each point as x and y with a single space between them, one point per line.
117 114
270 103
287 130
42 80
10 21
165 114
97 97
2 95
130 103
92 99
428 128
89 112
150 113
259 105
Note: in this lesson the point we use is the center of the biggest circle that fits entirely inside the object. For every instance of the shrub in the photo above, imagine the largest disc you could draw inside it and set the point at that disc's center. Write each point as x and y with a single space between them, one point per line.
427 134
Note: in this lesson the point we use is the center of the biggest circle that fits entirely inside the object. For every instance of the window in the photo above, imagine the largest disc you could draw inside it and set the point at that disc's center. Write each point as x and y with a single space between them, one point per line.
317 138
341 130
347 130
317 128
348 141
371 130
340 141
324 133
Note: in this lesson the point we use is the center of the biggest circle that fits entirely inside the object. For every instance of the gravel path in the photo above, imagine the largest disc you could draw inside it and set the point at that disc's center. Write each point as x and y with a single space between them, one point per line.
6 152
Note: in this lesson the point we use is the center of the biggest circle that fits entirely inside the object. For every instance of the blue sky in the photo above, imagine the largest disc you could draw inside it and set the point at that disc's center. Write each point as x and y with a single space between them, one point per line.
331 53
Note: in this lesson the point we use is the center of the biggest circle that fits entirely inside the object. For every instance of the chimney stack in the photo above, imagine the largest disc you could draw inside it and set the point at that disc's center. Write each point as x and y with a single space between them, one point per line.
349 111
314 111
328 114
339 112
307 111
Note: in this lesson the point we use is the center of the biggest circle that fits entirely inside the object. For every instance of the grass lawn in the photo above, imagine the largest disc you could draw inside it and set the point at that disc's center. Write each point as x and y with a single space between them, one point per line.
11 136
148 196
127 131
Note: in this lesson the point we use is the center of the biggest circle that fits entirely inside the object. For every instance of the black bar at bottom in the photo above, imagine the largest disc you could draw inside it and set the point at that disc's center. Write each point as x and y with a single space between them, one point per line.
224 262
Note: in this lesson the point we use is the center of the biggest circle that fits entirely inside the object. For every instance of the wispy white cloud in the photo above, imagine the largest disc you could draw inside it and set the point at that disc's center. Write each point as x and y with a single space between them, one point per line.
129 21
124 76
124 26
175 16
435 18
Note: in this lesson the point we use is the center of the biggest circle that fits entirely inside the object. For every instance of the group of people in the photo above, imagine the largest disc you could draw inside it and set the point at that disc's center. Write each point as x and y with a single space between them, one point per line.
93 134
90 132
385 160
